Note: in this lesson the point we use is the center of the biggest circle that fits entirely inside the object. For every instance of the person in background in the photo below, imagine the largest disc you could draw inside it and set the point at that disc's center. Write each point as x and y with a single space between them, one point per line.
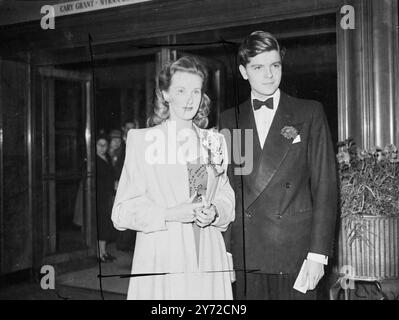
116 151
104 197
134 124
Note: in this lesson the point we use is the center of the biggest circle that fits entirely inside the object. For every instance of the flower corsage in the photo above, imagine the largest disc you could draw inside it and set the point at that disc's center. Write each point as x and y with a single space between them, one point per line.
212 141
289 132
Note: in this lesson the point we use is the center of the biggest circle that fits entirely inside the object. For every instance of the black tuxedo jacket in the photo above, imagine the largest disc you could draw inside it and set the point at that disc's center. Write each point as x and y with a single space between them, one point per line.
290 197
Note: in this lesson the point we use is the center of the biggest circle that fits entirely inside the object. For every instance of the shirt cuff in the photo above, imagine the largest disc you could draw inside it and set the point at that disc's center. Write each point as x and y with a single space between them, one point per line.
318 258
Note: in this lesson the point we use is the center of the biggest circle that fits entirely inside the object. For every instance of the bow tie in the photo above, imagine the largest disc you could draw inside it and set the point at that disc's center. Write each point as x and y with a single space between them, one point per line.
258 104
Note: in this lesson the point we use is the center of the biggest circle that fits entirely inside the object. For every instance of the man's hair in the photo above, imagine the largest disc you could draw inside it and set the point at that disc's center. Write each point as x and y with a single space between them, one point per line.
257 42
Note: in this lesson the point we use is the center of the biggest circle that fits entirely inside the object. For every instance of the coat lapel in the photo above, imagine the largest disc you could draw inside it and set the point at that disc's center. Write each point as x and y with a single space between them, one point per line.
247 121
274 151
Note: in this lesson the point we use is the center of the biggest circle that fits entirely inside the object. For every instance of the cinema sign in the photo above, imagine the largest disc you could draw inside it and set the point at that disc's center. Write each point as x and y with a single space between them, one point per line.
81 6
73 7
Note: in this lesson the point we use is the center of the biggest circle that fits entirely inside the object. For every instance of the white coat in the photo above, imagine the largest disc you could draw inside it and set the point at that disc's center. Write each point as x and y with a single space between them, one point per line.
145 190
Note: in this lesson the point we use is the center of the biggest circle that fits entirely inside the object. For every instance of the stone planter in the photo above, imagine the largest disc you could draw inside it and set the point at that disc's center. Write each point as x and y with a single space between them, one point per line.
373 257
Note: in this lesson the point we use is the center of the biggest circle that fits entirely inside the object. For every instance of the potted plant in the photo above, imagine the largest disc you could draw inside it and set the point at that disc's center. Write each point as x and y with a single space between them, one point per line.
369 199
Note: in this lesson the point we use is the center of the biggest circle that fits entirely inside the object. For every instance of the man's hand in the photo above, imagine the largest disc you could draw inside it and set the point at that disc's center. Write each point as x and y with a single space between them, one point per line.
314 272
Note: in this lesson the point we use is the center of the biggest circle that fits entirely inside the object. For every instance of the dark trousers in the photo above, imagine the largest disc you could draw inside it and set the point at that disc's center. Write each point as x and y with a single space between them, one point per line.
270 287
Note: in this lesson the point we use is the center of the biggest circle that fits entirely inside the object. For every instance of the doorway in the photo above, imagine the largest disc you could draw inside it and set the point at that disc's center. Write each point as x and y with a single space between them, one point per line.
67 164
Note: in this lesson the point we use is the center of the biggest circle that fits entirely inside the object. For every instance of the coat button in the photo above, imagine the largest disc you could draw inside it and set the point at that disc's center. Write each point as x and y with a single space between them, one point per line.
248 213
279 216
288 185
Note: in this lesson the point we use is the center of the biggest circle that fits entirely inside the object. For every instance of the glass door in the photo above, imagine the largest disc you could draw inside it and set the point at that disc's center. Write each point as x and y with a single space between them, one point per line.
67 164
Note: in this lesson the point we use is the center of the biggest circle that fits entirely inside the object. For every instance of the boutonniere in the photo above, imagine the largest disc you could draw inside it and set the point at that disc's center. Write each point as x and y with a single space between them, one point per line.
289 132
212 141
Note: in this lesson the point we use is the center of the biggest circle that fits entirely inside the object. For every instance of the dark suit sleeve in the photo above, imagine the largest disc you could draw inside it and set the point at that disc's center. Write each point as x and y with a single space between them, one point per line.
321 159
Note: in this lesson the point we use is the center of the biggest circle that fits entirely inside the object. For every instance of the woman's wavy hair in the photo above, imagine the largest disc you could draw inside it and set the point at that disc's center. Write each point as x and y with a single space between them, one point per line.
161 109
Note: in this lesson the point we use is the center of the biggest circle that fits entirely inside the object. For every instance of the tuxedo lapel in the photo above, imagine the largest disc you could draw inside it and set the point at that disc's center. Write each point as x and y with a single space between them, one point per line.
247 121
274 151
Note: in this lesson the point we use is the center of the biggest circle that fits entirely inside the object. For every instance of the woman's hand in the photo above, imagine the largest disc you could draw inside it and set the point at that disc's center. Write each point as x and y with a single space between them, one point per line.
205 215
184 212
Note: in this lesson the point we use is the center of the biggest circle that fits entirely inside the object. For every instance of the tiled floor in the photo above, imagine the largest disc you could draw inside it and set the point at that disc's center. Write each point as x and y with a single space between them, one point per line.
89 278
33 291
81 284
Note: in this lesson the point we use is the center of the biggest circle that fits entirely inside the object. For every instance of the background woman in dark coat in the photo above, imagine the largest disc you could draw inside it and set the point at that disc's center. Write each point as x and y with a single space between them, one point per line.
105 195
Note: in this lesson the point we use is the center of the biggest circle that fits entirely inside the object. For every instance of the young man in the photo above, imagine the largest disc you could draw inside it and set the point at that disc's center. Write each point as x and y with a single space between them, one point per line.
290 197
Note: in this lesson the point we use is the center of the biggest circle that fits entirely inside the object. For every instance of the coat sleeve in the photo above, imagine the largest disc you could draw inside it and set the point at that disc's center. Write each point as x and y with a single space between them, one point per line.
224 200
323 182
133 209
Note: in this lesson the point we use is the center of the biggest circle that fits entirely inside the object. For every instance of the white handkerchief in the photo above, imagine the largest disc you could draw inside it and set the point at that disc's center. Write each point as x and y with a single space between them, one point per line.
297 139
300 284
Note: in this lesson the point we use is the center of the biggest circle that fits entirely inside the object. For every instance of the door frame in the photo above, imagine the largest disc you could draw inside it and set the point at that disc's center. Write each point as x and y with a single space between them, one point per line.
47 77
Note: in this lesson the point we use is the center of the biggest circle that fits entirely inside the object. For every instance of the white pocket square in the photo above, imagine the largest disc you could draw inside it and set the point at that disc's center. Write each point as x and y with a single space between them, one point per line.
297 139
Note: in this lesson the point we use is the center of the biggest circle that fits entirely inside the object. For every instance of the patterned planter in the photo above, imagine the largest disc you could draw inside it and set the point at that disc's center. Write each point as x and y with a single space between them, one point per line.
375 256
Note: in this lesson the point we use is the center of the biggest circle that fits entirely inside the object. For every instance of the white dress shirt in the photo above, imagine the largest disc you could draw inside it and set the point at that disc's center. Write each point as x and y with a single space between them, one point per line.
264 116
263 119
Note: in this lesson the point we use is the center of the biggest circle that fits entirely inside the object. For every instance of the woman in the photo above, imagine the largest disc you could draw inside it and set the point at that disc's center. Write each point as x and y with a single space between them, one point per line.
116 151
177 203
105 192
